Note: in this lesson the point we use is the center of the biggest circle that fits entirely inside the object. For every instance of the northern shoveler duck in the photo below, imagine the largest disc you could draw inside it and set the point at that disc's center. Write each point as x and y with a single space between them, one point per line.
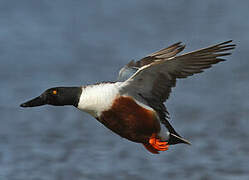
133 107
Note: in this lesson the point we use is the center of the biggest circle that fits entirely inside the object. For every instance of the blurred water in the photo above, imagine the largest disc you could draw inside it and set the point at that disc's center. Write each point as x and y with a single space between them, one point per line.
64 43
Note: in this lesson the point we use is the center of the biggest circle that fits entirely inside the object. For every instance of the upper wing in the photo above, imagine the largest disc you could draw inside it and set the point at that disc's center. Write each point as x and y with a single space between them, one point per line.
154 81
129 69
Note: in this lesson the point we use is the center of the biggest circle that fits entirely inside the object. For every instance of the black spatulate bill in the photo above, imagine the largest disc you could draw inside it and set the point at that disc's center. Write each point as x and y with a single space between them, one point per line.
38 101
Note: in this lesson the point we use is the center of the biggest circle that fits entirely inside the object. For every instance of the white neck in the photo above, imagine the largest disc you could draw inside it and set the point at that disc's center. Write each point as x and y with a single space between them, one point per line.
97 98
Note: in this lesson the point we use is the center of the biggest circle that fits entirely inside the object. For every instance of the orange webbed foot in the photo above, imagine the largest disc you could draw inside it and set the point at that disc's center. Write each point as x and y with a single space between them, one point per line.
158 144
155 145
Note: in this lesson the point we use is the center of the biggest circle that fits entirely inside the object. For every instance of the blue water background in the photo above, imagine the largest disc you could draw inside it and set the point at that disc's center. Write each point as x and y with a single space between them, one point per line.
66 43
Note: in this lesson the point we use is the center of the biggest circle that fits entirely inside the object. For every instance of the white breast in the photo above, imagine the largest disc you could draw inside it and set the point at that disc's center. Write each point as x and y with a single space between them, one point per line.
98 98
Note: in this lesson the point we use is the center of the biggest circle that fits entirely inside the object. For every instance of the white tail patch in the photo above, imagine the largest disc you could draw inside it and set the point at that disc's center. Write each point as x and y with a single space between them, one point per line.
164 133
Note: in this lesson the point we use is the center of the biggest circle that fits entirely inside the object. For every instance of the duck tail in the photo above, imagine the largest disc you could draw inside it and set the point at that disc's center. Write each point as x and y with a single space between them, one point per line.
174 137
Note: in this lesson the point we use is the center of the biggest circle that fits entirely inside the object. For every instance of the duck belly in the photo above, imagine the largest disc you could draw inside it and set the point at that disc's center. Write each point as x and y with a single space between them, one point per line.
130 120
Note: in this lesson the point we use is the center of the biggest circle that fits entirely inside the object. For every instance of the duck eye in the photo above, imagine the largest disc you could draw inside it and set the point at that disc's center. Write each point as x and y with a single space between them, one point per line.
54 92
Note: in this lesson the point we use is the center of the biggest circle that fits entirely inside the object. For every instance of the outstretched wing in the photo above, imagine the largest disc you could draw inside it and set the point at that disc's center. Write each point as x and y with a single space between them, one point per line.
154 81
129 69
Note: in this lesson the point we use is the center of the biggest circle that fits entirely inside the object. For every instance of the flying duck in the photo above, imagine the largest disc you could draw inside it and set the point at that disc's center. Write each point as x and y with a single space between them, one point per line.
133 106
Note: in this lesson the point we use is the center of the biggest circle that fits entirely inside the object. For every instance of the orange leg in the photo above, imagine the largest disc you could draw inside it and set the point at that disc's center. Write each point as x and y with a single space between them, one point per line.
155 145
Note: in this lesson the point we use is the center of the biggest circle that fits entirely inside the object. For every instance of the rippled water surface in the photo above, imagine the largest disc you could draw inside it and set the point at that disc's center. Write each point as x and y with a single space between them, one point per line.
64 43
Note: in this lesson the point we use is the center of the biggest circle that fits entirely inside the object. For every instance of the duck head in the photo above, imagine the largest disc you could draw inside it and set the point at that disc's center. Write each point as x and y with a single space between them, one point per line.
57 96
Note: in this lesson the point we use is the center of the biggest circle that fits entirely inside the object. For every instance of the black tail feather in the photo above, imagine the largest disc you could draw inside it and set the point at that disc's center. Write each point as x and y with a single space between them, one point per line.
174 137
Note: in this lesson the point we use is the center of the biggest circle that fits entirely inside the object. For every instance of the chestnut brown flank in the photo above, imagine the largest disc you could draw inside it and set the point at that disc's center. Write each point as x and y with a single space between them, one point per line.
130 120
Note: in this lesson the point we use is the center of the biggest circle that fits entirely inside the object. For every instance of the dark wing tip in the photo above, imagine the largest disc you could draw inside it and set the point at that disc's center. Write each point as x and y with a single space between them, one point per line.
176 44
227 45
181 47
223 48
23 105
226 42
